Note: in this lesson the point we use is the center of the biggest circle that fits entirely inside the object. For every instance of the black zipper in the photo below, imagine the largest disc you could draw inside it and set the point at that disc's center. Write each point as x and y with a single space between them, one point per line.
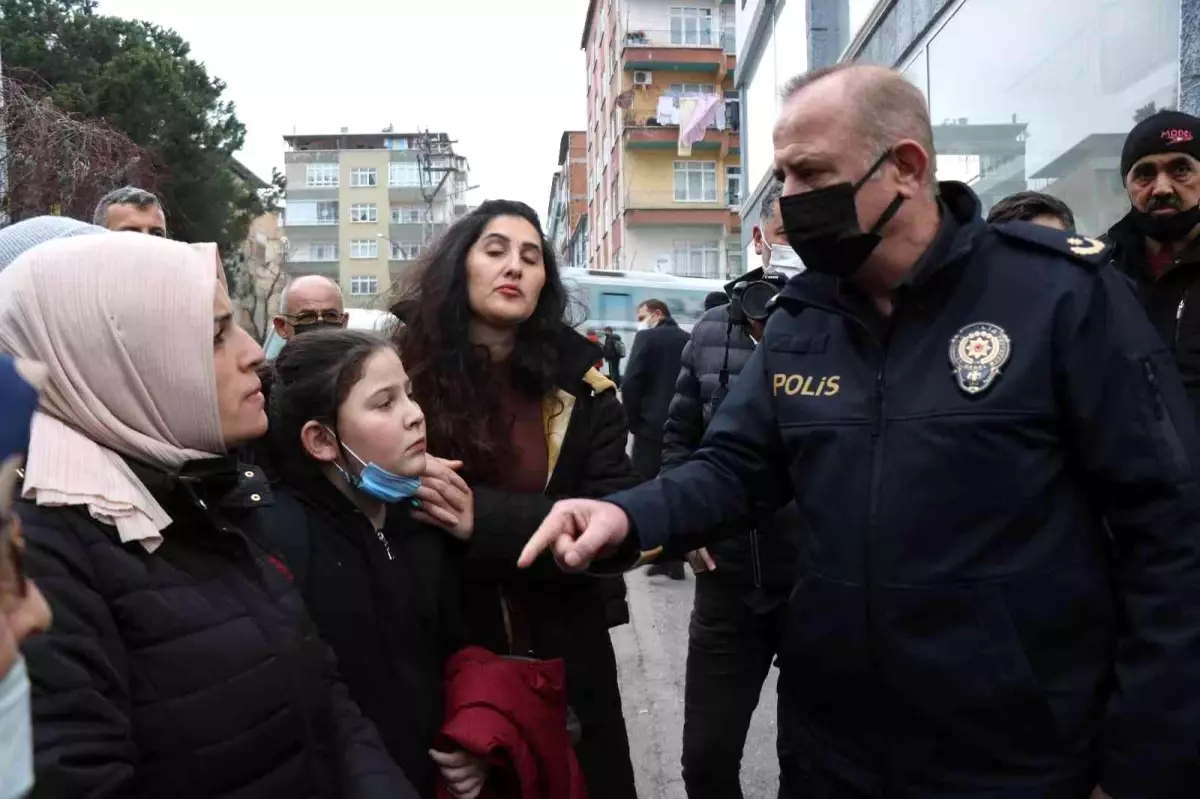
1162 414
1179 314
383 540
755 564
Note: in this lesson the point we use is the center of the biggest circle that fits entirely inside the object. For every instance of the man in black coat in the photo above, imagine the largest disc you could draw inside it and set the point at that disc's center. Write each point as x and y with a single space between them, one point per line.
614 351
996 464
646 394
742 582
1158 242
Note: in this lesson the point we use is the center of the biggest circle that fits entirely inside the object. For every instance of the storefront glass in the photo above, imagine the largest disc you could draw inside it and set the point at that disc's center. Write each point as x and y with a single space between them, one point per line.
1030 94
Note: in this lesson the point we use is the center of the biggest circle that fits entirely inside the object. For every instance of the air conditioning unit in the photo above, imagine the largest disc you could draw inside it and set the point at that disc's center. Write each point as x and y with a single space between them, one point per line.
642 78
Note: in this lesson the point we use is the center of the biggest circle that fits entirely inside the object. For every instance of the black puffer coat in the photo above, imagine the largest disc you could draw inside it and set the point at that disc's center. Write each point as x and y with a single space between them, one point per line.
192 671
763 561
391 611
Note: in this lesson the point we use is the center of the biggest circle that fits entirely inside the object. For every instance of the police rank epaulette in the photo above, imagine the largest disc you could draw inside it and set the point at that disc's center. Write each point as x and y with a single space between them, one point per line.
1081 249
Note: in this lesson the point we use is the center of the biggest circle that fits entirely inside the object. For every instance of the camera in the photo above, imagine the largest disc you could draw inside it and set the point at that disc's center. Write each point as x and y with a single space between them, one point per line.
750 300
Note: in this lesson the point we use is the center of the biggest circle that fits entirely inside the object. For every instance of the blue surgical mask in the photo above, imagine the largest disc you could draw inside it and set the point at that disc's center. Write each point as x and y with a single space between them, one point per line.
16 734
377 482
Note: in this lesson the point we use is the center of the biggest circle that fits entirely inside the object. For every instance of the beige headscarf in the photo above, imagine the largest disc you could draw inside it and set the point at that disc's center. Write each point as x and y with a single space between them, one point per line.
123 323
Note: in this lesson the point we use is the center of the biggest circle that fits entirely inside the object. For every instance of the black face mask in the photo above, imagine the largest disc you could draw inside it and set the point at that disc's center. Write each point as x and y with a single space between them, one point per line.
822 226
311 326
1166 228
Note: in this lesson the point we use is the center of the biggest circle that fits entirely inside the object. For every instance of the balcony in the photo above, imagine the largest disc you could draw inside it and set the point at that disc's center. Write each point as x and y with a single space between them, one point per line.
654 207
678 49
643 131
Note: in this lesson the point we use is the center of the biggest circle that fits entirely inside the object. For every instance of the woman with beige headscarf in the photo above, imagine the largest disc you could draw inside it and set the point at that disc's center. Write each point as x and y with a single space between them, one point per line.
181 662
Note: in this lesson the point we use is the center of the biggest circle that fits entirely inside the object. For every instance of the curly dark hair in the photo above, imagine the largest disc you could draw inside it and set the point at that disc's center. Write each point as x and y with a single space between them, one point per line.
456 380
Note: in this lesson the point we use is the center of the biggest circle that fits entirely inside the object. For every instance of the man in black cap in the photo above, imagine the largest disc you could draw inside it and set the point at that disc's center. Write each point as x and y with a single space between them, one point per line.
1158 242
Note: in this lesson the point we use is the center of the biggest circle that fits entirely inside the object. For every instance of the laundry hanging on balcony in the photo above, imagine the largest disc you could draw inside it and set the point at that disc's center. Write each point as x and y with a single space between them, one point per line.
695 115
667 112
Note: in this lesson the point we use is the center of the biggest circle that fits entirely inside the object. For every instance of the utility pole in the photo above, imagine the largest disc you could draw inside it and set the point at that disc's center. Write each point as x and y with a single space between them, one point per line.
437 163
3 150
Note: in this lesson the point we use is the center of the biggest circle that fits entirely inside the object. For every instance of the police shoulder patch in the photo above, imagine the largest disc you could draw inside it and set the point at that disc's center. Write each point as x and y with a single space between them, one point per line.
1082 249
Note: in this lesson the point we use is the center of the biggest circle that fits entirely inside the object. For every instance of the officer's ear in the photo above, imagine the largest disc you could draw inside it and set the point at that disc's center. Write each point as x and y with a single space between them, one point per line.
910 165
756 234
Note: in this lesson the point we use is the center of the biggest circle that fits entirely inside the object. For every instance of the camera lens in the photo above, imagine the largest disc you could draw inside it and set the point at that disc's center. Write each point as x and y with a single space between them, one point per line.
754 301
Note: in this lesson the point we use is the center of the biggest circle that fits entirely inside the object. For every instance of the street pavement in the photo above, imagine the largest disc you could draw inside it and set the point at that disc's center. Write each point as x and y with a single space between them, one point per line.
651 657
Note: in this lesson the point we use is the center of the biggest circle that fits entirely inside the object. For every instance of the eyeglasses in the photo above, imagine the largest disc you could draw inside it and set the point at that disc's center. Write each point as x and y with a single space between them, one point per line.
329 315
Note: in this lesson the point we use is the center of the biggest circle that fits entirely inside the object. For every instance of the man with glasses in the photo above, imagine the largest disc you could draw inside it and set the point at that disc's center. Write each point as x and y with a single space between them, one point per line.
23 610
312 302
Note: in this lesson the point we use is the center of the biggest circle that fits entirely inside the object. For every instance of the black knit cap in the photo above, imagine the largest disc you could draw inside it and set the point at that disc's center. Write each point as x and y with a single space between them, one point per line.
1163 132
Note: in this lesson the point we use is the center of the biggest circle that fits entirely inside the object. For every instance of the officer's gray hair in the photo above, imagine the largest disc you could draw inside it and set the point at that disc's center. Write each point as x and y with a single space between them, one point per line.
766 209
888 108
126 195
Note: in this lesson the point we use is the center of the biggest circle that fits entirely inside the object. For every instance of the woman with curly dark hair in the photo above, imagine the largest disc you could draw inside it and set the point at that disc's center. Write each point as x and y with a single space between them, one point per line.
513 397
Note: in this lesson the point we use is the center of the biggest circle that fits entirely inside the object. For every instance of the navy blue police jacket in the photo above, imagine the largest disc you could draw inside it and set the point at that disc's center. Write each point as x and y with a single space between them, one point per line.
1003 593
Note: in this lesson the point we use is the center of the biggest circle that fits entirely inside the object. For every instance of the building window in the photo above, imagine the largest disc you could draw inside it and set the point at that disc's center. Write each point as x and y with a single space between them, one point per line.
733 185
614 199
321 175
327 212
365 176
733 109
407 214
395 144
364 285
364 212
736 262
692 89
364 248
323 251
404 173
308 212
691 26
698 259
1017 131
695 181
407 250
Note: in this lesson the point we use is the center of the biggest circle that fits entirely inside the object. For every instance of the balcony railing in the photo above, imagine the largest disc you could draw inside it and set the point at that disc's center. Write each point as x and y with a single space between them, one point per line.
652 119
669 199
686 36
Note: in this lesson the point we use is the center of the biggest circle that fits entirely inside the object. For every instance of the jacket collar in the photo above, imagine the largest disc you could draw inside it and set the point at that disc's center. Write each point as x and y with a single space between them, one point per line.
576 357
959 232
221 481
1129 249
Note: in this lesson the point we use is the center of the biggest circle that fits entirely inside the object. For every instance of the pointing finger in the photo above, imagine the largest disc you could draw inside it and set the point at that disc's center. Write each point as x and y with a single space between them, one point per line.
556 524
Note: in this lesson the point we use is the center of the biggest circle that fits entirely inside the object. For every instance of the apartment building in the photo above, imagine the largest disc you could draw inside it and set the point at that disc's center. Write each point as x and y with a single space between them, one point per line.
566 218
363 207
659 72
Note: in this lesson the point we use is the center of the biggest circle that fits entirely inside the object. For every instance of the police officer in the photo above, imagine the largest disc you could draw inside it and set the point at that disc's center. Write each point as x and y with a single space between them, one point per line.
955 414
743 582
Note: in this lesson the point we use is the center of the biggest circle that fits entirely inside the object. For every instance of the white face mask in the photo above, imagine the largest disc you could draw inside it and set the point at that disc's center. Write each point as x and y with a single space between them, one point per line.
16 733
784 260
646 323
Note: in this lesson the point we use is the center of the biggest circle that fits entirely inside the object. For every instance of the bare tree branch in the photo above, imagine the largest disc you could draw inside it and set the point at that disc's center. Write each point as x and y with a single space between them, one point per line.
58 163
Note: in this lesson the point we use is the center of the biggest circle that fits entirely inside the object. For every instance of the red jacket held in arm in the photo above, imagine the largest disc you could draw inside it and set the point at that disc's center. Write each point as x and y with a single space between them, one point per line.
513 713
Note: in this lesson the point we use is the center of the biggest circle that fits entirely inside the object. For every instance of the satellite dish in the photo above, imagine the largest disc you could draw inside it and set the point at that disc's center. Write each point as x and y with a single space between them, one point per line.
625 99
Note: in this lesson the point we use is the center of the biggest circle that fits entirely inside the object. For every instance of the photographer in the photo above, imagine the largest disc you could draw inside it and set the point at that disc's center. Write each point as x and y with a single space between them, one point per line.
743 583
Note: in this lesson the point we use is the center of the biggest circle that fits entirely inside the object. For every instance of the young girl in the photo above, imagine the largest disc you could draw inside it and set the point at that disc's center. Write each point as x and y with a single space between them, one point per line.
348 442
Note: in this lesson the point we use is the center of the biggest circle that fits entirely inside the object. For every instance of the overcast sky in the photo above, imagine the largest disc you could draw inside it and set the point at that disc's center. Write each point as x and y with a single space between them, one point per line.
505 79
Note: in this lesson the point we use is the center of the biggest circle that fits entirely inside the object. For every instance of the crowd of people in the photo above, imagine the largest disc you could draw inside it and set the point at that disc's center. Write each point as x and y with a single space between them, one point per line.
940 469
